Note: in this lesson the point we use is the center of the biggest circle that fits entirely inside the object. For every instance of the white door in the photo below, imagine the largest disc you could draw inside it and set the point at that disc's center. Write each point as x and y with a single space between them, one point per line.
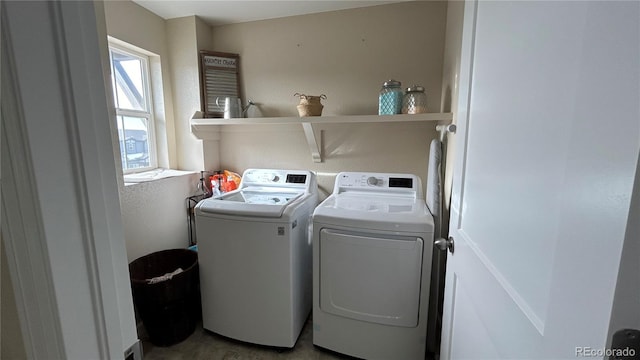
547 147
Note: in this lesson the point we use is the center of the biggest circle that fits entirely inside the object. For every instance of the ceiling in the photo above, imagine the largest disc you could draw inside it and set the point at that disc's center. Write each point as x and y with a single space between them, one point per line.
221 12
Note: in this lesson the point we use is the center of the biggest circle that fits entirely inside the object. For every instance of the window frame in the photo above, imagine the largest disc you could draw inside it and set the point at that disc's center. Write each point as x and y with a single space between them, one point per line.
148 98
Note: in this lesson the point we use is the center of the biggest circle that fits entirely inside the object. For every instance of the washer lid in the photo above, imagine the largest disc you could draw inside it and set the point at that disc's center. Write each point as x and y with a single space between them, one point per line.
381 212
269 202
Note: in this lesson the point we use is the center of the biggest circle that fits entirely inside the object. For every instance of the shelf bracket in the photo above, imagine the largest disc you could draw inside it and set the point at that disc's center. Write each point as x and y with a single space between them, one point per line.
311 140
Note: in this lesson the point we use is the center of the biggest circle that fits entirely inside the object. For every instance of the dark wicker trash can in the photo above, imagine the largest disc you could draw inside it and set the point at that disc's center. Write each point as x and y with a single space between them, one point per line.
169 309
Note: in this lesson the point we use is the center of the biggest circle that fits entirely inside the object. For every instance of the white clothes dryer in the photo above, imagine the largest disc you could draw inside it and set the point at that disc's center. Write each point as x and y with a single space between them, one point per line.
372 250
254 253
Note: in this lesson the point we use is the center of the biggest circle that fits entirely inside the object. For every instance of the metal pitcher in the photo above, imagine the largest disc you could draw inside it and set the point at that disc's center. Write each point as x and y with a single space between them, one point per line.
232 107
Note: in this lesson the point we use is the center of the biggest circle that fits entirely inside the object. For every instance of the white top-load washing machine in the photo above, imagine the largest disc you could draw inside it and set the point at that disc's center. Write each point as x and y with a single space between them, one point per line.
372 249
254 253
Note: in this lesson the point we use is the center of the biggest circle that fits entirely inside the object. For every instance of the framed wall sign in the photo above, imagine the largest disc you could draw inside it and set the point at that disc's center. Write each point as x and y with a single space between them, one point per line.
219 78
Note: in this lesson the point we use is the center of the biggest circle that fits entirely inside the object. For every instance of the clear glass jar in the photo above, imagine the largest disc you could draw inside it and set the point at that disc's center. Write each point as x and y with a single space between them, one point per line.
390 99
414 101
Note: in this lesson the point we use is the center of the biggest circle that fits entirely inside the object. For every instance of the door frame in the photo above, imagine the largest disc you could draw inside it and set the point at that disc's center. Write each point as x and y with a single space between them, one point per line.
61 220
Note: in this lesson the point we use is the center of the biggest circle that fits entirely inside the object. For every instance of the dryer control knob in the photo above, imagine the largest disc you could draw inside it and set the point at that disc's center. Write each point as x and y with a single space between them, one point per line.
372 181
275 178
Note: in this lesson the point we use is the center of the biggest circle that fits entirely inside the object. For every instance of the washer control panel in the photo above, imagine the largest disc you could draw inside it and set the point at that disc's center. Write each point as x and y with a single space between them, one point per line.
262 177
395 183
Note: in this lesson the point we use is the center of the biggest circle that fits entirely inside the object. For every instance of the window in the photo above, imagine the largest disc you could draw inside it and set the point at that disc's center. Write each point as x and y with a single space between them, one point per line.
131 91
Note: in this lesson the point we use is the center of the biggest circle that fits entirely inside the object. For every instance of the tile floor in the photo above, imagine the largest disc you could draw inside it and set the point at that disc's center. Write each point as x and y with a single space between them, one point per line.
205 345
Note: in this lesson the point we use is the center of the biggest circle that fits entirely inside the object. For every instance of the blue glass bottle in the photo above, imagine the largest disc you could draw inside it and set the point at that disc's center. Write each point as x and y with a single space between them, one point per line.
390 99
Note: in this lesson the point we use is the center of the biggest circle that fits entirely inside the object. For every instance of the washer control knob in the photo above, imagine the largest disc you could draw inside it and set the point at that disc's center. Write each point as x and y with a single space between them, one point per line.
275 178
372 181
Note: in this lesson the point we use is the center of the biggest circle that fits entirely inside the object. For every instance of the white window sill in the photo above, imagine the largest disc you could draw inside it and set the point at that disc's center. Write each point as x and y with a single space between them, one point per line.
152 175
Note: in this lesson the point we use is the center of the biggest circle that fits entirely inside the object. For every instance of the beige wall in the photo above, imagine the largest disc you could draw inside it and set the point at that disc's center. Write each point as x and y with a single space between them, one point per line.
182 40
210 149
345 55
176 42
154 215
135 25
380 147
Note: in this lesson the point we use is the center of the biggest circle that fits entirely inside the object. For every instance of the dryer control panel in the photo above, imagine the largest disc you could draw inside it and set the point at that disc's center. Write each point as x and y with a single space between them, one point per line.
378 182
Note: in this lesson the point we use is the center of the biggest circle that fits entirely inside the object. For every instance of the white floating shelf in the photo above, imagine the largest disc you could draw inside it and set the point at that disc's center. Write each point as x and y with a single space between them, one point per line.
208 128
198 121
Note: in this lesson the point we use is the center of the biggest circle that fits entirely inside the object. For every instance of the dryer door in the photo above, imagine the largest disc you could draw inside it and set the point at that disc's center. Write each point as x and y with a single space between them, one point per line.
371 278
